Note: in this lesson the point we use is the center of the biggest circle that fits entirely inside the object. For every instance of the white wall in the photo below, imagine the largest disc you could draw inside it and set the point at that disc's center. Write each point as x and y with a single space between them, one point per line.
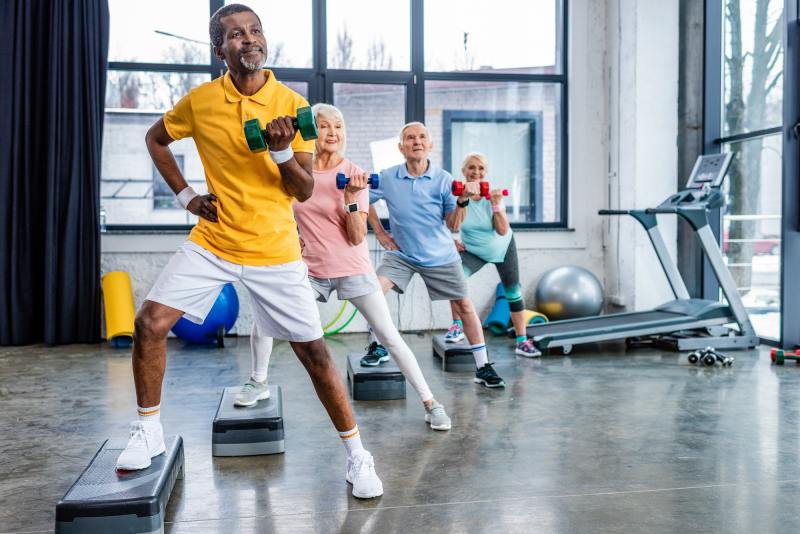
627 155
642 73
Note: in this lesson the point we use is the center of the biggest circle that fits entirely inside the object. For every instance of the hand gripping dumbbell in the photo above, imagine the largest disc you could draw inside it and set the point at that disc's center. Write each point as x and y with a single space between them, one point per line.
458 190
374 181
303 123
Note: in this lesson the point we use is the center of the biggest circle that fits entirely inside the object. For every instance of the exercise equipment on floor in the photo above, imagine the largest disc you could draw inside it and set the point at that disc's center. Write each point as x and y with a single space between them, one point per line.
119 308
500 314
374 180
455 357
779 356
381 382
710 356
683 323
251 430
218 322
105 500
569 292
257 137
485 191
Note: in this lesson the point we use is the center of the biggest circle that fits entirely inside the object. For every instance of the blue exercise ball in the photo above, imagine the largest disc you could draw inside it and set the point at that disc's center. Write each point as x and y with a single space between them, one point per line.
569 292
223 314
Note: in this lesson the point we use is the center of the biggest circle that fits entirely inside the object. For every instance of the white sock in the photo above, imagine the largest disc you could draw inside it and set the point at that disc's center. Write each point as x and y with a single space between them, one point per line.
352 441
151 414
260 351
480 354
376 311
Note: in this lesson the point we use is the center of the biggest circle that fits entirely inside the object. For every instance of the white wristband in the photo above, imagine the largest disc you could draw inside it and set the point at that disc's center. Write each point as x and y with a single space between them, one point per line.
186 196
282 156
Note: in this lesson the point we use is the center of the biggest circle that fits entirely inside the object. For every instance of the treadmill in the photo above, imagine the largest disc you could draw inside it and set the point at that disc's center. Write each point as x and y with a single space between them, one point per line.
683 323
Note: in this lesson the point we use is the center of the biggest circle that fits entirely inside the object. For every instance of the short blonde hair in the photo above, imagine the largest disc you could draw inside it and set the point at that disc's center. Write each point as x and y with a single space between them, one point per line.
474 155
408 125
327 111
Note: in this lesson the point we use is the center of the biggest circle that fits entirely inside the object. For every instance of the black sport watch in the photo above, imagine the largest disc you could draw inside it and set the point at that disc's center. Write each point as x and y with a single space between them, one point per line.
351 208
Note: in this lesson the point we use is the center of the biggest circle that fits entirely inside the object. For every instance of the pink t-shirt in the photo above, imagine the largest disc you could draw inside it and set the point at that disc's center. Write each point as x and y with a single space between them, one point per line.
323 227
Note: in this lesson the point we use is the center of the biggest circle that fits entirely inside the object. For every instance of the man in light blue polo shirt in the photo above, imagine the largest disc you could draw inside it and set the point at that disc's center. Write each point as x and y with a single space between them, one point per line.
422 213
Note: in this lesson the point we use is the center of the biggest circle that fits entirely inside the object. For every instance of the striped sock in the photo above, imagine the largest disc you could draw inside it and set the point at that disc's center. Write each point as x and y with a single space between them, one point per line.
351 440
151 414
480 355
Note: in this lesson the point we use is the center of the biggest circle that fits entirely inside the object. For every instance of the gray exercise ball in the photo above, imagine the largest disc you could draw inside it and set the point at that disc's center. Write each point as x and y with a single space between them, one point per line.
569 292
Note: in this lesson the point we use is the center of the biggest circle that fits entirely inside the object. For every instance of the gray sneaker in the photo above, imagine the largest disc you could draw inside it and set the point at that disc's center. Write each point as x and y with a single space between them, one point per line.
437 417
251 393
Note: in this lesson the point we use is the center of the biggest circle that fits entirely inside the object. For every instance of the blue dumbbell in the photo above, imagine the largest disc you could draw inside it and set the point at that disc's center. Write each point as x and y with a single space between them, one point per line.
374 181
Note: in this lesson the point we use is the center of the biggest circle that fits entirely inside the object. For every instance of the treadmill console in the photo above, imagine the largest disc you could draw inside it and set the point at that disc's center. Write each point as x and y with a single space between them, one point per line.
703 188
709 171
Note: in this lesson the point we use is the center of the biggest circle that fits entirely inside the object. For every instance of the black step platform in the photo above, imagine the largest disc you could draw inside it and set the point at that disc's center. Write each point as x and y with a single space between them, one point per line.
105 500
251 430
456 357
382 382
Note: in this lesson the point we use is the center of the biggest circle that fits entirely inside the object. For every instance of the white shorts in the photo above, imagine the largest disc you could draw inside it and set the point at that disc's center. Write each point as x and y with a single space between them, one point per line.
282 298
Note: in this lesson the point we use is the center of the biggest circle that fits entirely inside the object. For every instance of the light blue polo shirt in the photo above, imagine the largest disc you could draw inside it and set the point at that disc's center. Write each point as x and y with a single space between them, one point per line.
417 206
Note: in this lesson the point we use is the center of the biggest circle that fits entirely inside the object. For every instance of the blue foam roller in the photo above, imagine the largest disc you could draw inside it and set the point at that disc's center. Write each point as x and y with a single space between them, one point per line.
500 316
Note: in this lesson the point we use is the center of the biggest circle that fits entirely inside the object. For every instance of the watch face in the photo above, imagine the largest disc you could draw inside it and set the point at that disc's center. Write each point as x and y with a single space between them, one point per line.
352 208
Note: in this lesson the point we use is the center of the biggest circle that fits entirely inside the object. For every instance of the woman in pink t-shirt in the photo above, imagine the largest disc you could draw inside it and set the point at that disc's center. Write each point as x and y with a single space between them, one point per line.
333 229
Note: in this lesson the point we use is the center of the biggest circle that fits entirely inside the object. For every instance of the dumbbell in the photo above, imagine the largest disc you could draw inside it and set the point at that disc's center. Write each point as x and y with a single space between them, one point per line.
303 123
779 356
458 190
374 181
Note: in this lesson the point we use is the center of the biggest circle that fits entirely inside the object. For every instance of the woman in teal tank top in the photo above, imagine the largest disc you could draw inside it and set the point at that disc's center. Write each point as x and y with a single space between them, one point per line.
486 237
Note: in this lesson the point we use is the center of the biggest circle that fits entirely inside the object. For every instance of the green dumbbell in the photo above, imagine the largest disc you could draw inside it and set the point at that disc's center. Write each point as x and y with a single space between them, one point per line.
303 123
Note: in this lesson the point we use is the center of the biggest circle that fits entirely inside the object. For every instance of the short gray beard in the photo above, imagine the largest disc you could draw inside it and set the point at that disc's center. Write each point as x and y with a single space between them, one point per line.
252 66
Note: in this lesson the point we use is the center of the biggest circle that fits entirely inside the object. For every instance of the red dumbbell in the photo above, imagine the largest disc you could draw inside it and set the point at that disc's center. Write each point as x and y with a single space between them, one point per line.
458 189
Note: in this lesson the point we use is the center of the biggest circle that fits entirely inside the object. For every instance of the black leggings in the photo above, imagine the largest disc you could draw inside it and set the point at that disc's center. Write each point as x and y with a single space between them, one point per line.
508 270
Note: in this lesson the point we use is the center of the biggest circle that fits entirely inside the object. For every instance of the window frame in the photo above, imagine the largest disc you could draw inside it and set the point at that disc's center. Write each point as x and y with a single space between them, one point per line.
714 142
321 81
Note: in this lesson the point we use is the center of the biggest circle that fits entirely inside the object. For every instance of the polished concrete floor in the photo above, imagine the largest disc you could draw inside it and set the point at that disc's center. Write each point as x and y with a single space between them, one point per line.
598 442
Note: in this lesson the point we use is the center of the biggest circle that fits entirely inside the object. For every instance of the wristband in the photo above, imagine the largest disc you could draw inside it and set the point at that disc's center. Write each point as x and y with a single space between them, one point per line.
186 196
498 208
460 205
282 156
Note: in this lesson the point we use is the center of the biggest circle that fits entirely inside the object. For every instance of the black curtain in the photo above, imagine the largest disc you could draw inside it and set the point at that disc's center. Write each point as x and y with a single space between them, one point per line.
53 59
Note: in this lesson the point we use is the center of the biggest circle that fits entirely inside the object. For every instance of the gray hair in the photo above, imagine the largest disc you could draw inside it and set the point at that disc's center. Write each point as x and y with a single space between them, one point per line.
474 155
327 111
409 125
215 29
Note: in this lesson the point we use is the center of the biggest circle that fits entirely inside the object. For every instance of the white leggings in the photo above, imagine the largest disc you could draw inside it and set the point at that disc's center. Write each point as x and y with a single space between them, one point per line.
375 310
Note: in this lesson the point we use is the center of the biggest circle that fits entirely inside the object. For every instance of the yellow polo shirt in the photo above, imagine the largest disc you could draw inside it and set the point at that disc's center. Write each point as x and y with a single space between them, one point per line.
256 225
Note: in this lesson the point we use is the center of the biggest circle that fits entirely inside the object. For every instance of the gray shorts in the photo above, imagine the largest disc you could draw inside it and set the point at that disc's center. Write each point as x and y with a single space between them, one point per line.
445 282
346 287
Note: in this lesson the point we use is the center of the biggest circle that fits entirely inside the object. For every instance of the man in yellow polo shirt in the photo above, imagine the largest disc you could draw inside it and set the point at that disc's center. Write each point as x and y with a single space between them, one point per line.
246 232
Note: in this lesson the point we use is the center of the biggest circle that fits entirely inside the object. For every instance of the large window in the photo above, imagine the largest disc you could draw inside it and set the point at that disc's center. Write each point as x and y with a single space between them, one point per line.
480 79
745 102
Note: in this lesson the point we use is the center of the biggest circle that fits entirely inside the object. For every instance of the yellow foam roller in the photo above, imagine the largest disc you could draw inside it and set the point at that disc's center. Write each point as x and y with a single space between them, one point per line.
532 317
119 307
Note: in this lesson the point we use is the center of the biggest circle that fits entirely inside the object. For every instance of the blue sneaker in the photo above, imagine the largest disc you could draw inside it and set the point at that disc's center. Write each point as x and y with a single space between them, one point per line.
454 334
376 355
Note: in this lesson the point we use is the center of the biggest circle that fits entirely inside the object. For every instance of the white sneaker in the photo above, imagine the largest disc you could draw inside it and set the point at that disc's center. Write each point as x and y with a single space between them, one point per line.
361 474
437 417
251 393
146 442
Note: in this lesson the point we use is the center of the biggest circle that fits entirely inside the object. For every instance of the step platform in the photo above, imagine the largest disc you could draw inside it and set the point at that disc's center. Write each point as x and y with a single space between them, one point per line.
456 357
251 430
105 500
382 382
